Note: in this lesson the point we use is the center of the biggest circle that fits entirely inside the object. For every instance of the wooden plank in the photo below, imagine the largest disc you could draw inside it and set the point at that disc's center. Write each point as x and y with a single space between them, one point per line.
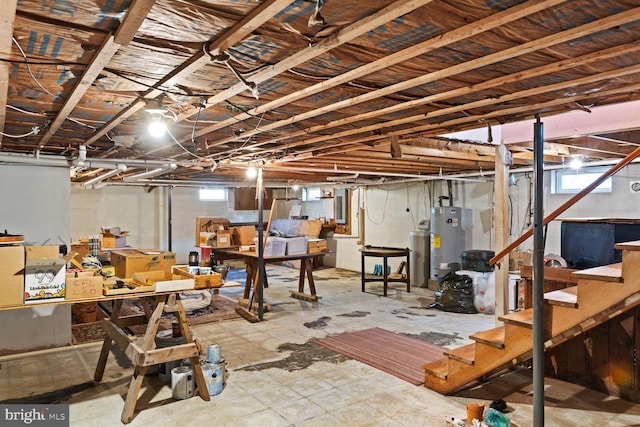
492 337
605 273
465 354
7 19
453 36
550 274
236 34
135 319
253 318
304 296
346 34
501 228
520 318
567 297
628 246
439 368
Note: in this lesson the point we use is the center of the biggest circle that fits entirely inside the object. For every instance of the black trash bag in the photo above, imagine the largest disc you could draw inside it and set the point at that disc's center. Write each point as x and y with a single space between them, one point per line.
455 294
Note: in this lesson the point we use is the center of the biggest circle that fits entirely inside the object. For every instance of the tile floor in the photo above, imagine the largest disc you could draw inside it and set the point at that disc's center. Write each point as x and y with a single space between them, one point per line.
276 377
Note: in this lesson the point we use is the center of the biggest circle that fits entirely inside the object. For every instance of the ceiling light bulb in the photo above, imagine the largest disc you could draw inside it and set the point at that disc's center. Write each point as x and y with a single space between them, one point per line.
157 128
252 172
575 163
295 187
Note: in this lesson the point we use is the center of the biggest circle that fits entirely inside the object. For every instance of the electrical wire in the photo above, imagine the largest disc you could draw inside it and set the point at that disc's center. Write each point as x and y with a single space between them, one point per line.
184 148
25 111
90 261
29 67
34 131
384 210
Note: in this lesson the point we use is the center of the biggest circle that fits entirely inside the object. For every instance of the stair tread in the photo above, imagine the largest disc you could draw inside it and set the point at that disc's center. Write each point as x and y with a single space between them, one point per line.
629 246
493 337
523 318
438 368
567 297
465 354
607 273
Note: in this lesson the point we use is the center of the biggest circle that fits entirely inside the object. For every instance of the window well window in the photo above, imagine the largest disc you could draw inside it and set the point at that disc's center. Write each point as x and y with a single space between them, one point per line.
571 181
214 194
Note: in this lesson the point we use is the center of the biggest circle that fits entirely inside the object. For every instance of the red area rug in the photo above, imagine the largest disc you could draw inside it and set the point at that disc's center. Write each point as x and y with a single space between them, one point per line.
395 354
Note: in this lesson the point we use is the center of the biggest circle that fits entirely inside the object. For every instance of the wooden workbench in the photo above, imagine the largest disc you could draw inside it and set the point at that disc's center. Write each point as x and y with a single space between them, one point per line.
306 270
142 352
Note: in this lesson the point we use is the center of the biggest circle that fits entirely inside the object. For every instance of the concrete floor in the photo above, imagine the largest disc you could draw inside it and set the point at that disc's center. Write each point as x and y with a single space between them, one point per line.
278 378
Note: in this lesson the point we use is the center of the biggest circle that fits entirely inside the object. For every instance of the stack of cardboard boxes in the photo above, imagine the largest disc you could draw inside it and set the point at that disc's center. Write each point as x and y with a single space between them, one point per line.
212 232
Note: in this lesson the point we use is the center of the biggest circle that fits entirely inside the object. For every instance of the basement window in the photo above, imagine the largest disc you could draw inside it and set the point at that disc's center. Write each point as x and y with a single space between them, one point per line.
311 194
213 194
570 181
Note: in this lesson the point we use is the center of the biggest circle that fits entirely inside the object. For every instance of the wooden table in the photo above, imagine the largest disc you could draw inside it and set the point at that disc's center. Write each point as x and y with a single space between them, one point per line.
306 270
385 253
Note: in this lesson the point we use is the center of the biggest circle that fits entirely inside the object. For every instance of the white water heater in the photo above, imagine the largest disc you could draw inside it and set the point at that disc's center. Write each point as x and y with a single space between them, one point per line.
446 239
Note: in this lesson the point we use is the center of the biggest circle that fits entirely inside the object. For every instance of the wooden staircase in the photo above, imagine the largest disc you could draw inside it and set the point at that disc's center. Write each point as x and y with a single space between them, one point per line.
601 293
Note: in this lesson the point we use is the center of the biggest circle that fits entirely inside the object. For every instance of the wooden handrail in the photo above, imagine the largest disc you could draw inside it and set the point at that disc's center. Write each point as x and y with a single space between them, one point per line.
566 205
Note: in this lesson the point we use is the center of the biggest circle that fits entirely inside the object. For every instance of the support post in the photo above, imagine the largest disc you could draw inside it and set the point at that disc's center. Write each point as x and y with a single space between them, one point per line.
501 230
538 276
261 269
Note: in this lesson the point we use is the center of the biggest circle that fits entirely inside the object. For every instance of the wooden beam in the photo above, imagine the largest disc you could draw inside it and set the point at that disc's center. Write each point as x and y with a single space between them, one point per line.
393 11
466 90
261 14
471 105
7 19
125 33
452 36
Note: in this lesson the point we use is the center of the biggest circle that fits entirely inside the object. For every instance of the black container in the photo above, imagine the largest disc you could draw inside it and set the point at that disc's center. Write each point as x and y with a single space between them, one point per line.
193 259
477 260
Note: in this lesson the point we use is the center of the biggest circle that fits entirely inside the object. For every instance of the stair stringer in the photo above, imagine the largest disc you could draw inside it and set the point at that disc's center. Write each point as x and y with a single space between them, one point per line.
488 359
594 298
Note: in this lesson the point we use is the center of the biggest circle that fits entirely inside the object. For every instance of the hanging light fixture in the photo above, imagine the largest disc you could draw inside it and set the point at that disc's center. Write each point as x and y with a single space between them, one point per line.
156 109
252 172
576 161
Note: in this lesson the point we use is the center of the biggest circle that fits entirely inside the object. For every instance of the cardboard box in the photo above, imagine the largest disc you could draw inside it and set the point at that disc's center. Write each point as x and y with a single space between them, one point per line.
111 241
208 281
315 246
296 245
129 261
113 237
83 284
44 274
163 281
11 275
243 235
219 239
82 249
206 224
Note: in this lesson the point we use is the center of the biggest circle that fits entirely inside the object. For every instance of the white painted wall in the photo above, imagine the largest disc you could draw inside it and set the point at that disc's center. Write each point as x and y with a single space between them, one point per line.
387 221
35 203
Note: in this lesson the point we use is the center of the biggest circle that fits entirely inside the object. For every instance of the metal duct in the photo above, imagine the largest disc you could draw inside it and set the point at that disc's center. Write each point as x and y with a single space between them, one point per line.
93 181
151 173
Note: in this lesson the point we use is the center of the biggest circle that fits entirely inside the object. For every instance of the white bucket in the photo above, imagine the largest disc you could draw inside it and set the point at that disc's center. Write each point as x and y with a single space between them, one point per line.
182 385
213 377
213 353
